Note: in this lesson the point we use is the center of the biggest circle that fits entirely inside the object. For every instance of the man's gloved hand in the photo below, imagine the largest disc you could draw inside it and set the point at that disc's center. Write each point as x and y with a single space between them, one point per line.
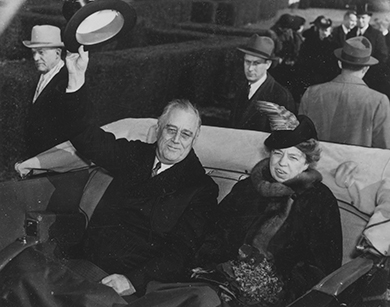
77 64
119 283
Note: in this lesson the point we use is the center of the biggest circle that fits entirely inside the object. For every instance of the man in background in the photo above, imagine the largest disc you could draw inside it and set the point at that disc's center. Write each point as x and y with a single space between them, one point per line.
378 77
50 120
345 110
259 85
340 32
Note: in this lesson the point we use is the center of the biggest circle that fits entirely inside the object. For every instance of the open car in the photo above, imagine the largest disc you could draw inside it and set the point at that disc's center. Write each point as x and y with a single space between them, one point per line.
58 200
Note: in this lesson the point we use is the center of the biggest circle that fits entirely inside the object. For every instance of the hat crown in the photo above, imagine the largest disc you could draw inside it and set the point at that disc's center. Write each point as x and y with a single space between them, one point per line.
363 10
261 46
286 21
359 47
46 34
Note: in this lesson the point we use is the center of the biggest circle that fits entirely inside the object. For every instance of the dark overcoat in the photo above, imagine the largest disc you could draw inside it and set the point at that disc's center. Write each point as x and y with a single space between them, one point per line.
52 119
145 228
244 114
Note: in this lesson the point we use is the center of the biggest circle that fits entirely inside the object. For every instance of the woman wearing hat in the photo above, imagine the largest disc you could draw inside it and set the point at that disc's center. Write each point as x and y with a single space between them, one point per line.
279 231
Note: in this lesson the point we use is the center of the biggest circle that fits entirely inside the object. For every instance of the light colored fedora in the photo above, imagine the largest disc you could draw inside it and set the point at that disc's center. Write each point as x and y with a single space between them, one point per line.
260 46
357 51
45 36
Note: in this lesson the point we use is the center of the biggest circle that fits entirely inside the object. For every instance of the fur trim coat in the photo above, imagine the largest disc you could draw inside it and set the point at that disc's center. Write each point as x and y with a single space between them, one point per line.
295 223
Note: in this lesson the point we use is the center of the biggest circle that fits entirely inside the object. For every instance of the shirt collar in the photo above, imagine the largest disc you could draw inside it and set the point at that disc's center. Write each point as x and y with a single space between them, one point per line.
255 86
363 30
164 167
345 29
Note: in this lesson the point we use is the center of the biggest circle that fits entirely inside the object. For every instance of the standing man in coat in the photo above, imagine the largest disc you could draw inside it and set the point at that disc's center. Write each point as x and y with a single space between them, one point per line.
259 85
345 110
50 120
340 32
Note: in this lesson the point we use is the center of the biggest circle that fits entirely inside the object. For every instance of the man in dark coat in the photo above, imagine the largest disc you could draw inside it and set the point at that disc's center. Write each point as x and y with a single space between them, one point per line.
50 120
340 32
316 63
378 77
157 221
147 225
260 85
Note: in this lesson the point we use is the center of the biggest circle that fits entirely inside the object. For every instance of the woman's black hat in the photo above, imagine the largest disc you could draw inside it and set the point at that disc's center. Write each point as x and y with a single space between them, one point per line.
287 129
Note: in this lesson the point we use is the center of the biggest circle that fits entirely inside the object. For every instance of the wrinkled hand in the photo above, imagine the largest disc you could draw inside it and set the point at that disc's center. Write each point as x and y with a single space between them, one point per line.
77 64
119 283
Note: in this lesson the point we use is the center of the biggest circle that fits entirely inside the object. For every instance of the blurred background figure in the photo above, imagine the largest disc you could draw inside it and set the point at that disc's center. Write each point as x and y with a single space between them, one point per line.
316 62
288 41
340 32
378 77
383 26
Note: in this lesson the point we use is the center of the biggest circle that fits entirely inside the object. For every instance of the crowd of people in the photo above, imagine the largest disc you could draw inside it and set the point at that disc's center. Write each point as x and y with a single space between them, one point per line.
157 236
338 76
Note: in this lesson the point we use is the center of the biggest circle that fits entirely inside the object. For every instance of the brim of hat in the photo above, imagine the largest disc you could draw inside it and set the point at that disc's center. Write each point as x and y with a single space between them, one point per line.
370 62
126 10
251 52
28 44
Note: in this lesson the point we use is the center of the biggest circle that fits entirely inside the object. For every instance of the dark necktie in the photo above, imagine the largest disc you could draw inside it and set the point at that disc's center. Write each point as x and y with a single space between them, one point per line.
156 168
248 89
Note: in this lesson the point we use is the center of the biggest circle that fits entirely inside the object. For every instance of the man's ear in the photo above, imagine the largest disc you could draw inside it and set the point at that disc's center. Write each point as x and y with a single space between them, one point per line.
269 63
339 63
196 137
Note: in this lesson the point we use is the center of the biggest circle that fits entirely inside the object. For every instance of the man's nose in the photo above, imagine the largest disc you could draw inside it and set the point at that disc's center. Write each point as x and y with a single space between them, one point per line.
36 56
176 137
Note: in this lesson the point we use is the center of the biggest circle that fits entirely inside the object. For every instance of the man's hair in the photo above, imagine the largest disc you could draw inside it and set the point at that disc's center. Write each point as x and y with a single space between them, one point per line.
182 104
311 149
349 13
351 67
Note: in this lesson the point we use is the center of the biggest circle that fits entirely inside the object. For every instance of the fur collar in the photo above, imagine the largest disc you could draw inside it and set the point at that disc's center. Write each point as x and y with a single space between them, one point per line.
267 186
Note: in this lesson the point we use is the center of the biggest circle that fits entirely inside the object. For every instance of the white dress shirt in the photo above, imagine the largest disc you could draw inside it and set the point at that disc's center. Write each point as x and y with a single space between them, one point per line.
44 79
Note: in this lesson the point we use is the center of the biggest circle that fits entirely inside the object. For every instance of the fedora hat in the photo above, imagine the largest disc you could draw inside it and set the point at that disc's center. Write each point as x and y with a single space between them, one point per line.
260 46
96 22
45 36
356 51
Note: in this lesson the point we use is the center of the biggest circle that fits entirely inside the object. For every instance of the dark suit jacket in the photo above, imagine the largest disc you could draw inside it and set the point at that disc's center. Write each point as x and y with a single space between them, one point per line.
51 120
338 36
377 40
244 114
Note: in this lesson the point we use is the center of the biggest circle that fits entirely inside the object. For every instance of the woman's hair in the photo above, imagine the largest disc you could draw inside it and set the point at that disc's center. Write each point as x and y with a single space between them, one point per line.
311 149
